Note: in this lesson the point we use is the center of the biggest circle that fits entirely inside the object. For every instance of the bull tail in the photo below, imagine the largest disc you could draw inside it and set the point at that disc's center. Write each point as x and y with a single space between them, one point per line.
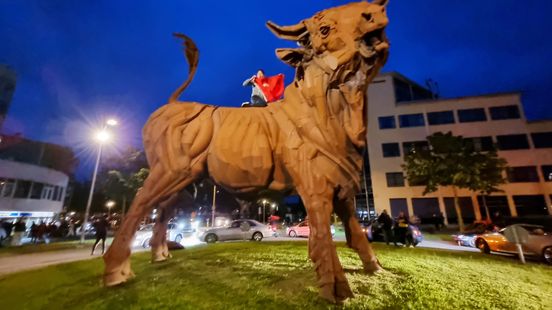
192 56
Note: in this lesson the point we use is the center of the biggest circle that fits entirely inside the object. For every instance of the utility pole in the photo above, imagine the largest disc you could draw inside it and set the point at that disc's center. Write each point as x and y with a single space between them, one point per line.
213 208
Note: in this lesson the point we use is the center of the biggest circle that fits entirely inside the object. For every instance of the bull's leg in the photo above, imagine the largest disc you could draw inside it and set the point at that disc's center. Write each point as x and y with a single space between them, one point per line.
158 186
356 239
331 278
158 242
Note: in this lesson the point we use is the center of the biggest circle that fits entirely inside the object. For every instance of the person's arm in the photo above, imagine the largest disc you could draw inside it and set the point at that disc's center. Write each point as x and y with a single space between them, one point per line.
249 81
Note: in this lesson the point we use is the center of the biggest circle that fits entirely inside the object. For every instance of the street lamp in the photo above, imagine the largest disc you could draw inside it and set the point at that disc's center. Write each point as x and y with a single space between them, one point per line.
102 136
109 204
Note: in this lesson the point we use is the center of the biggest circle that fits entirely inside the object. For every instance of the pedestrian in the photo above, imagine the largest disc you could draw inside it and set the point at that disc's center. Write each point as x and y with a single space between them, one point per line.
41 231
100 225
34 229
71 230
401 228
19 229
386 224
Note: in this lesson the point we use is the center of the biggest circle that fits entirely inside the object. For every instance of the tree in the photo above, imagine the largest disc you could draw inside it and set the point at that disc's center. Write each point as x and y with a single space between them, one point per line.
490 176
453 161
123 176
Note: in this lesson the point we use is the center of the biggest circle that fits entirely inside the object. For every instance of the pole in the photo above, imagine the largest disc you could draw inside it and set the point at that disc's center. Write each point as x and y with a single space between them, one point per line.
214 206
86 213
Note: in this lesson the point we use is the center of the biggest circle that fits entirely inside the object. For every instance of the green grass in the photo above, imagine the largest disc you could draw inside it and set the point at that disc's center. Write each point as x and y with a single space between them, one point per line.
279 276
438 237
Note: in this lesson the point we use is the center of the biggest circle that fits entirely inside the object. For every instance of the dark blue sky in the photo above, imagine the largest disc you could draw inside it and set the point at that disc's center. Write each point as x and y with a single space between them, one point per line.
77 61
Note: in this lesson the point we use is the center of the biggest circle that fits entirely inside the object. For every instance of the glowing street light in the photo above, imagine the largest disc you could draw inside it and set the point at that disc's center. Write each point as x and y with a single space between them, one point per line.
109 204
102 136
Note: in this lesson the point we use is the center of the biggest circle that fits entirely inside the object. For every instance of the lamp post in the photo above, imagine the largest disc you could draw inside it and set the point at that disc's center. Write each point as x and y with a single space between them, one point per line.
102 136
214 206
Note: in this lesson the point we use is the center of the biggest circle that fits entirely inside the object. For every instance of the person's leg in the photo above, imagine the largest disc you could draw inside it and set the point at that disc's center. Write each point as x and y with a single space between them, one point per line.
95 244
103 244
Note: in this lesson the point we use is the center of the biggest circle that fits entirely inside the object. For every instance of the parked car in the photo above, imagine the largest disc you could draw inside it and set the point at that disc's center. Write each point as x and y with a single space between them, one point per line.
303 230
143 235
467 238
539 243
374 232
244 229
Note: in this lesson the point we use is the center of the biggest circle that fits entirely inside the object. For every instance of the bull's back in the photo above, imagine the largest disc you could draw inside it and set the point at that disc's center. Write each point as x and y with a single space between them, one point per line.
177 134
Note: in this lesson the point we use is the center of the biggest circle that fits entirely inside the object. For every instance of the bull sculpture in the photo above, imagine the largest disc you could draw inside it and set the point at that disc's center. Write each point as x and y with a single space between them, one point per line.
311 141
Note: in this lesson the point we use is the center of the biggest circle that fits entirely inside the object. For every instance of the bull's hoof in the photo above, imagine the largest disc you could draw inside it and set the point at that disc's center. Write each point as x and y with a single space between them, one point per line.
327 292
373 267
343 291
117 278
160 258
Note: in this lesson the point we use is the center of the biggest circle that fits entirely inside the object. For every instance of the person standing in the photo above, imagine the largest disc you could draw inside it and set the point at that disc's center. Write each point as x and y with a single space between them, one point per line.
401 228
100 226
19 229
386 224
264 89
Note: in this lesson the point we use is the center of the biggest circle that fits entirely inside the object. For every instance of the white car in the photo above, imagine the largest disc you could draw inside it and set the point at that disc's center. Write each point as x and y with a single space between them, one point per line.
143 235
243 229
303 230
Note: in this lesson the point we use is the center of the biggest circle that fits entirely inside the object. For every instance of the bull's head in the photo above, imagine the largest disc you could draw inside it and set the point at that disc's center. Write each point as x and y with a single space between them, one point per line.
338 36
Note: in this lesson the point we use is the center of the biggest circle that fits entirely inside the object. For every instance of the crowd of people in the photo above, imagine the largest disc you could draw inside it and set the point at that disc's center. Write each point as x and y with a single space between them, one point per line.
398 230
13 233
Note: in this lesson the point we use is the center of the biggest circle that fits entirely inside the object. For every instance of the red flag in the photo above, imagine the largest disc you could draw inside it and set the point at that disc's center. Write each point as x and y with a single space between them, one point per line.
271 86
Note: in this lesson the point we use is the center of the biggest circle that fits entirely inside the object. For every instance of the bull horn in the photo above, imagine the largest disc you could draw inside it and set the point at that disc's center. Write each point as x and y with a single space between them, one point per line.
380 2
293 33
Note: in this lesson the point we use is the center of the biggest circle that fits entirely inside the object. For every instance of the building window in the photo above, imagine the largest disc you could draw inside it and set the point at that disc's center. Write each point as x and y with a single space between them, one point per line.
412 146
387 122
398 205
512 142
481 144
6 187
547 173
22 189
530 205
411 120
391 150
440 118
523 174
472 115
47 192
394 179
542 139
505 112
426 209
36 191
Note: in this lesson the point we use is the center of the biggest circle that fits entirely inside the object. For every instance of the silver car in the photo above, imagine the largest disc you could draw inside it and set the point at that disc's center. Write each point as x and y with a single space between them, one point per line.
143 235
238 230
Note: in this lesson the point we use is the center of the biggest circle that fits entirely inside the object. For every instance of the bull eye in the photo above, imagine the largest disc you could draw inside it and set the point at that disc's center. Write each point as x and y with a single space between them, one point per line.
367 16
325 30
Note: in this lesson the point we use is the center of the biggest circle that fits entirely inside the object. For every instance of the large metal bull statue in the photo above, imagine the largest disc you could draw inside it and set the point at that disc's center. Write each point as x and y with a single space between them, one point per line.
311 141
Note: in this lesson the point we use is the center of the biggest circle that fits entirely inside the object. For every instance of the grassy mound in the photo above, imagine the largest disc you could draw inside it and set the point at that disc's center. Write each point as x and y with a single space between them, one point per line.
274 275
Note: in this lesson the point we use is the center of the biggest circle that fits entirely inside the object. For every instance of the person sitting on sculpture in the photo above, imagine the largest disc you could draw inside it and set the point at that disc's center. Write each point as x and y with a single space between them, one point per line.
264 89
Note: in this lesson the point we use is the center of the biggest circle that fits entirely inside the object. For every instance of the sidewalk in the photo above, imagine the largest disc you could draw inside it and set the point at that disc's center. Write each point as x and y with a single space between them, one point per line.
16 263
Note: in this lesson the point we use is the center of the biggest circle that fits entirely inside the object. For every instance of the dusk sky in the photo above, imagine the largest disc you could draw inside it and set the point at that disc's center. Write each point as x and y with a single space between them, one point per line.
79 61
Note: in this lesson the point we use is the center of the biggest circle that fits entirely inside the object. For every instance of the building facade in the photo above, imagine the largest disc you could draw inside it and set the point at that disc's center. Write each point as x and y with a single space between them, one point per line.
401 114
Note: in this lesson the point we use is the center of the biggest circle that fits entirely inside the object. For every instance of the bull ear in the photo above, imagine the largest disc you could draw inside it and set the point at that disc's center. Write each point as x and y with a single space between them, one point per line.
381 2
291 56
293 33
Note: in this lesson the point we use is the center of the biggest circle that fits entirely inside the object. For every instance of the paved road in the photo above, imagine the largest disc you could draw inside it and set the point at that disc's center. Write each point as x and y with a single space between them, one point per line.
16 263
